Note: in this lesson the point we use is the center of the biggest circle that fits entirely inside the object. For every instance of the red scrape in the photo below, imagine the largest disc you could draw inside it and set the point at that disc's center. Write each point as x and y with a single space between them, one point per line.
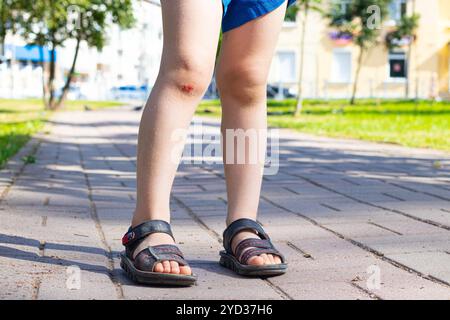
188 88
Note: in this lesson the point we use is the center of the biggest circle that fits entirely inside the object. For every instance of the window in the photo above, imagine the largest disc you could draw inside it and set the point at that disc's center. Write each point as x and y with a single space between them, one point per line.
397 65
397 9
341 69
286 66
343 5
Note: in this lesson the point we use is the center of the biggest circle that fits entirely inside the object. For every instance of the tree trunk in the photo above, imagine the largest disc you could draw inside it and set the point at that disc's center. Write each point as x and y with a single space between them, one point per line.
408 65
66 87
2 46
44 82
299 106
358 71
51 78
2 30
408 58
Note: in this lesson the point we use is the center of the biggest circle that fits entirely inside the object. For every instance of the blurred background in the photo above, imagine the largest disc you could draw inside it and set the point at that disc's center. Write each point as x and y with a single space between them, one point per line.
368 69
126 66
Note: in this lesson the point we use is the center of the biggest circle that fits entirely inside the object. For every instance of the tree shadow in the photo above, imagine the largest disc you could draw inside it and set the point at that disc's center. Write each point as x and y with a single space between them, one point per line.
14 253
108 163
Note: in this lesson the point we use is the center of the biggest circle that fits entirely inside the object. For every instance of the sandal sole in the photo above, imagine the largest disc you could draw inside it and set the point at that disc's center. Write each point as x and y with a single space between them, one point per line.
228 261
155 278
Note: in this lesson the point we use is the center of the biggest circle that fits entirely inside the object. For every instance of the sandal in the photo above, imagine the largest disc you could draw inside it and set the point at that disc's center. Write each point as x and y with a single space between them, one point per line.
140 269
238 261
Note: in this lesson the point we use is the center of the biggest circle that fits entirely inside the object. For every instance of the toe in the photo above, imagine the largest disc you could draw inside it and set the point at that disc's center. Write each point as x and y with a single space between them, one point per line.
174 268
265 258
158 267
277 259
185 270
256 261
271 259
166 265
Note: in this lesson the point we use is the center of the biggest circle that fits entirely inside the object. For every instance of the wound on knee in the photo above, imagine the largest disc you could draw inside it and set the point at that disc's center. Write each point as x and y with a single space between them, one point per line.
187 88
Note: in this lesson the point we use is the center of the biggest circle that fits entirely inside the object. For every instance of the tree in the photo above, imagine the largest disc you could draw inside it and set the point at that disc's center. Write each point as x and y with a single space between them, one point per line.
306 6
10 17
91 24
405 32
53 22
46 25
362 19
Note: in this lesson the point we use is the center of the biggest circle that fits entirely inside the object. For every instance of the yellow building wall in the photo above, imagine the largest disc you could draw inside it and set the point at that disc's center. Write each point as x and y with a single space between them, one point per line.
428 68
444 53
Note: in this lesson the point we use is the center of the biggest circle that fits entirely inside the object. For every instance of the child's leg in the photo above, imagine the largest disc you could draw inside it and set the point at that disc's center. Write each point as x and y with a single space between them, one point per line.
242 72
191 31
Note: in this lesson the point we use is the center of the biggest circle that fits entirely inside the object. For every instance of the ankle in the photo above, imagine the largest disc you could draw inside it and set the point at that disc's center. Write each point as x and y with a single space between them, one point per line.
233 217
141 216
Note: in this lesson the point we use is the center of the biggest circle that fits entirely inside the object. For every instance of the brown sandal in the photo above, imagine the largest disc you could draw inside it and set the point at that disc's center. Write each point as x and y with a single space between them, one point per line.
237 261
140 269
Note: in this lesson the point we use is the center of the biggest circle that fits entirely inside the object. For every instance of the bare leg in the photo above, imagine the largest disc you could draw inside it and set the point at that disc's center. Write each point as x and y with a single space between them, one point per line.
191 31
242 72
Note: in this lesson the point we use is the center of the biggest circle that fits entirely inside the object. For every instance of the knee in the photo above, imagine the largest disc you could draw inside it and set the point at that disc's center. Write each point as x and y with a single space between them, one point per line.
245 84
189 77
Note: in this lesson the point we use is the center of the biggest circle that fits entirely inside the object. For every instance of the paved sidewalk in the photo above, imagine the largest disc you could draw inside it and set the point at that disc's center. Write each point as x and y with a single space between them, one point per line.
346 213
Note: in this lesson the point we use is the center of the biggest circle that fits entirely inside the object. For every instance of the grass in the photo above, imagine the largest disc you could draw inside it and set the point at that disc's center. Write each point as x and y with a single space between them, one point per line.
423 124
20 119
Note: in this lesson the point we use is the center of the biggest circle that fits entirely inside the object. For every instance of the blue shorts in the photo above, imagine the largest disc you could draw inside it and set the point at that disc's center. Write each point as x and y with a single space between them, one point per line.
239 12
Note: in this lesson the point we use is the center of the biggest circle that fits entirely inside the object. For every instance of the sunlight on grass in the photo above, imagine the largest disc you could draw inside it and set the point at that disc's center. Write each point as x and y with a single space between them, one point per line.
423 124
20 119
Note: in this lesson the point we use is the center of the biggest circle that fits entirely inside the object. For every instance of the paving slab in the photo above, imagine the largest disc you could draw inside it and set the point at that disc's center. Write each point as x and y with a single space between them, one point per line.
355 219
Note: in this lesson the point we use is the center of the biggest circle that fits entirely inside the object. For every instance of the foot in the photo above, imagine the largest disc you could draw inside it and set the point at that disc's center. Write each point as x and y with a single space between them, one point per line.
256 260
155 239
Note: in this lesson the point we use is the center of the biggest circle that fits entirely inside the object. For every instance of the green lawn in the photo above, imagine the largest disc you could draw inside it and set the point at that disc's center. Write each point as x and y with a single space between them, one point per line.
403 122
20 119
423 124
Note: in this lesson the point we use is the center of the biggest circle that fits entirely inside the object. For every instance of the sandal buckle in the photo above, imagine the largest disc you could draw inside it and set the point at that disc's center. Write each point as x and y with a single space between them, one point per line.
128 237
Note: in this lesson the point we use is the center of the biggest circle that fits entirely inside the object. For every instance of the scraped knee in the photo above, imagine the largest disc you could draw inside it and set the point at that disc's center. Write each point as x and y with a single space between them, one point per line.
187 88
189 77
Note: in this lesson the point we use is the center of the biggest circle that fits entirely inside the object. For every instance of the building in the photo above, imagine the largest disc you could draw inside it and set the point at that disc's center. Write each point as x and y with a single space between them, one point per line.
329 64
124 69
21 72
127 66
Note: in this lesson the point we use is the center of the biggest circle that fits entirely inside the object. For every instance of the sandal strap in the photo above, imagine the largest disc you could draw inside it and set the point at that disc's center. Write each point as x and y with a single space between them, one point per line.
239 225
136 235
164 249
251 243
155 254
167 252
